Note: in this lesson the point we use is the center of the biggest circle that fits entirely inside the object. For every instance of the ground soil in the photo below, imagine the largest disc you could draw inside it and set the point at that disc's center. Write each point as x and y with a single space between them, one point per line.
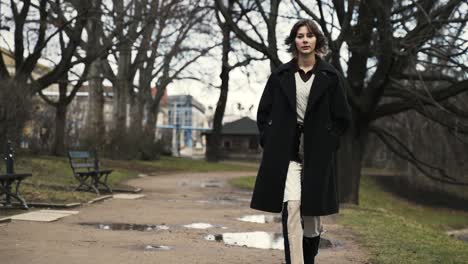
174 200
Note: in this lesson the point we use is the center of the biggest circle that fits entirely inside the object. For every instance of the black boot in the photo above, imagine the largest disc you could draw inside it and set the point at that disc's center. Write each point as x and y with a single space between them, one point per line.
284 221
310 246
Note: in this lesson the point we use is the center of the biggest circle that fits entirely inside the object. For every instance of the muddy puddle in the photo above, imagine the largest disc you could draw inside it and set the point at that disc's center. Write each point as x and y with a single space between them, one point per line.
459 234
262 240
203 226
211 184
126 227
225 200
151 247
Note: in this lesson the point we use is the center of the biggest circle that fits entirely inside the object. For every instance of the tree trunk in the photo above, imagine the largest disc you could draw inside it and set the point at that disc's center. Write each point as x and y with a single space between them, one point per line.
349 165
95 129
122 90
58 148
213 152
153 110
15 105
137 111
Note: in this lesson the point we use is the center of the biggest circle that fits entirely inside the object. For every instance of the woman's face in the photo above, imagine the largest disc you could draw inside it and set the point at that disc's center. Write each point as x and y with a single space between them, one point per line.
305 41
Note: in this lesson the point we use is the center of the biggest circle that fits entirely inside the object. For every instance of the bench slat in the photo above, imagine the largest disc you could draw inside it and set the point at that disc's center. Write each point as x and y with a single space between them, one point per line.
82 165
79 154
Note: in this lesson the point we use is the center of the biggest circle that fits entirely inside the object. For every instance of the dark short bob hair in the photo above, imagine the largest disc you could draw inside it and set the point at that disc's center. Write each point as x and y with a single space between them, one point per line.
321 45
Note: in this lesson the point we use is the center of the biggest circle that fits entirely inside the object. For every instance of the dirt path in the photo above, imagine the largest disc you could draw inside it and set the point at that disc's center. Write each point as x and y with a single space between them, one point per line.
174 200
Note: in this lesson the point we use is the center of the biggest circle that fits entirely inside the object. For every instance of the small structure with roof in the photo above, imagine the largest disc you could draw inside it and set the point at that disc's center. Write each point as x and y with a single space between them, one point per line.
239 140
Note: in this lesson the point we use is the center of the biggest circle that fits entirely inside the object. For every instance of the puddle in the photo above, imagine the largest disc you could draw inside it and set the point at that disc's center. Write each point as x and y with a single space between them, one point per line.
122 226
211 184
459 234
203 226
261 219
157 248
262 240
228 200
151 247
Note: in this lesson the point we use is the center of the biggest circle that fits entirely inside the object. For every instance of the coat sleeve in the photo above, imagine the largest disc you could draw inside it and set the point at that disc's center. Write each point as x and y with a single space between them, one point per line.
340 110
264 109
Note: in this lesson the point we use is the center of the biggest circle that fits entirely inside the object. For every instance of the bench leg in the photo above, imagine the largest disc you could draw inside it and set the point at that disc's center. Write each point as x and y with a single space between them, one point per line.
83 183
6 189
18 196
104 183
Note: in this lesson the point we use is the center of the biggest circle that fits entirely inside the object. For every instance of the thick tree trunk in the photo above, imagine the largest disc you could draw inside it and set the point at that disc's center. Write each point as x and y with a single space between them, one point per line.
95 129
213 153
349 159
122 90
120 106
58 147
15 105
137 110
153 110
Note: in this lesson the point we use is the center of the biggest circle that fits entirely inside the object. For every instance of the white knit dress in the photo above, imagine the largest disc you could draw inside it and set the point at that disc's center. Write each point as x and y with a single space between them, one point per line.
292 190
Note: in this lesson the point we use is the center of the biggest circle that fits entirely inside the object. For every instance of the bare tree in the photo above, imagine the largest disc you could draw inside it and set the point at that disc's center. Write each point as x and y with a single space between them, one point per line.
173 52
390 47
213 149
252 36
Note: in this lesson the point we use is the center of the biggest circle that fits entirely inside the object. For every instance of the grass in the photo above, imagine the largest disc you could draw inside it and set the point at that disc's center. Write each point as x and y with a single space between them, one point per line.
246 182
394 230
53 181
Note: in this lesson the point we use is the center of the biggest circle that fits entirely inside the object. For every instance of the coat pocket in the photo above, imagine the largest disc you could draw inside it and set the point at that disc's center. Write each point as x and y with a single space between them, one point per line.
264 133
334 136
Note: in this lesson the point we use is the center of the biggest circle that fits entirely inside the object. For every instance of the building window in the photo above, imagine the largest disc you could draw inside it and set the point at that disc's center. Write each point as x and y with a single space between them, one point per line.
227 144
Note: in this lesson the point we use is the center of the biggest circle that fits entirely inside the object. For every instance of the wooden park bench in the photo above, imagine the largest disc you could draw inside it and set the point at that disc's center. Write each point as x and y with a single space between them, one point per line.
86 169
10 178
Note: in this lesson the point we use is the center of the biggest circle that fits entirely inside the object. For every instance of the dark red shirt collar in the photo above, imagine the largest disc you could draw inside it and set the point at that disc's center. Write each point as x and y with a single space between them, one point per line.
305 76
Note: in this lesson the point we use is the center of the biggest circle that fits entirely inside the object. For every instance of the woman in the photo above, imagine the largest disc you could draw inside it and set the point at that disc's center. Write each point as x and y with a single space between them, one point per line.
302 114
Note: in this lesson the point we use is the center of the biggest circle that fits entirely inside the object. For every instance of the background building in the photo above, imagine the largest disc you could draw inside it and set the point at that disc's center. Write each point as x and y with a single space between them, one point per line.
187 115
239 140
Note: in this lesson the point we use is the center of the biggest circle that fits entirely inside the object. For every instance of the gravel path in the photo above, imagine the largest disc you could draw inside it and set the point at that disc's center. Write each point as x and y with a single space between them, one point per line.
171 201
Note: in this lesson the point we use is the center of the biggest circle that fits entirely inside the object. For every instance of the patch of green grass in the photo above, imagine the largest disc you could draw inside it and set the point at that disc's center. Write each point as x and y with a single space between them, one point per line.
53 180
397 231
246 182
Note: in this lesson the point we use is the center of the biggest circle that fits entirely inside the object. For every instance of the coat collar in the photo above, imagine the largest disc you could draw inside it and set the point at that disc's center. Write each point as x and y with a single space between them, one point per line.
322 65
319 85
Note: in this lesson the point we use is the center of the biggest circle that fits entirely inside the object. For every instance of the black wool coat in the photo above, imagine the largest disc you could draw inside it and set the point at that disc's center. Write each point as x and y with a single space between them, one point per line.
326 118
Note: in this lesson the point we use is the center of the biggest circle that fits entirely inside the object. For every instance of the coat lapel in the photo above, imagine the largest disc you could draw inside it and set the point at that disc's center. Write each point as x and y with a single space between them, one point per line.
319 86
288 85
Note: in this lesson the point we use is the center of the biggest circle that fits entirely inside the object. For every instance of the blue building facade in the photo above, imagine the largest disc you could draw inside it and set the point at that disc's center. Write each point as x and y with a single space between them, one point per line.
188 115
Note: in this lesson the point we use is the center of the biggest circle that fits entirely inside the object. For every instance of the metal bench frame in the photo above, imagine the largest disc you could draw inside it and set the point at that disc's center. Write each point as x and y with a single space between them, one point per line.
86 169
10 178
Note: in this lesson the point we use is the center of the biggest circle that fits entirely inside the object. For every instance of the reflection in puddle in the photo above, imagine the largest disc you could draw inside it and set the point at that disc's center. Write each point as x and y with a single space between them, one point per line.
261 219
263 240
203 226
121 226
157 248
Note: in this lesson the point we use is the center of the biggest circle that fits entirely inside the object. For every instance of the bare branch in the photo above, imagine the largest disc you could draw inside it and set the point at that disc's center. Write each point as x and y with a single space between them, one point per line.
402 151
